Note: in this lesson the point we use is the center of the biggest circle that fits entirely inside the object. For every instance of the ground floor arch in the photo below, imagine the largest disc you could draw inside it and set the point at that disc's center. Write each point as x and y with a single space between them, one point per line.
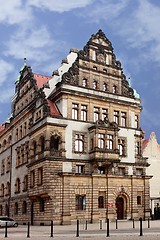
121 206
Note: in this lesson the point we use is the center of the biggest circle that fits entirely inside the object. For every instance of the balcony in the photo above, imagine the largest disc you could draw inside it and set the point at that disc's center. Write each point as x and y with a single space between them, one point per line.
141 161
104 155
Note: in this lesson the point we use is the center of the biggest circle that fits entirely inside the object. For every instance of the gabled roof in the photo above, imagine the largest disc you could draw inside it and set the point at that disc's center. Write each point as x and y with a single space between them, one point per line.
54 111
41 79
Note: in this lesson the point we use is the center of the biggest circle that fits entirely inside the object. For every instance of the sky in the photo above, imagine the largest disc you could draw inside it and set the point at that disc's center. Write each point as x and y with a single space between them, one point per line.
44 31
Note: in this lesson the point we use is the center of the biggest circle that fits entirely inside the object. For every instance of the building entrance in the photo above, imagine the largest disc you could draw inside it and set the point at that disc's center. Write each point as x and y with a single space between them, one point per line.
120 207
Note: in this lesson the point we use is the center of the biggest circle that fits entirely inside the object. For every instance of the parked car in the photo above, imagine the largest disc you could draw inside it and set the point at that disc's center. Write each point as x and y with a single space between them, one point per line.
10 222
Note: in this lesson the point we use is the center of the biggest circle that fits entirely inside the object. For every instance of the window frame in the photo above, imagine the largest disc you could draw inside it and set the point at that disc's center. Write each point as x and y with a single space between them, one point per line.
75 111
80 202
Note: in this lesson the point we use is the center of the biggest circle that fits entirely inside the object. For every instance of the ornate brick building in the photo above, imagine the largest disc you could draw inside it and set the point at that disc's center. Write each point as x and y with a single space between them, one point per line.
72 147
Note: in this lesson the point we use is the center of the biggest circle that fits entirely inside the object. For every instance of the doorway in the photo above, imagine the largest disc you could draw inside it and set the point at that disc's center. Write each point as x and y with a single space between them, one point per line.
120 207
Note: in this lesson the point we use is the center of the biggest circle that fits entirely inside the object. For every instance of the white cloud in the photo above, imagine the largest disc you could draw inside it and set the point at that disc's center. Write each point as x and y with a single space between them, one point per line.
59 6
5 69
32 43
13 12
141 27
104 10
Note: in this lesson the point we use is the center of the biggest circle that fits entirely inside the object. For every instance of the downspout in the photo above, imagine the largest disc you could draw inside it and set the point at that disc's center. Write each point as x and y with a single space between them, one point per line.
144 198
92 201
131 197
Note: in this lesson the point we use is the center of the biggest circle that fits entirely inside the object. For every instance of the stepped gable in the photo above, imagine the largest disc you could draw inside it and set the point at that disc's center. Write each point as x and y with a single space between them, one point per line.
102 48
30 86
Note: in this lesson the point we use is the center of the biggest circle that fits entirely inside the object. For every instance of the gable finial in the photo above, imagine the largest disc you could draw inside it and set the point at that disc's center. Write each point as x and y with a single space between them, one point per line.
25 61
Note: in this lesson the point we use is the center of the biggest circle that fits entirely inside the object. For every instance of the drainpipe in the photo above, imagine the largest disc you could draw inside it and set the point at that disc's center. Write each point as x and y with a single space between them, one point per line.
62 199
10 180
107 195
144 198
131 197
92 201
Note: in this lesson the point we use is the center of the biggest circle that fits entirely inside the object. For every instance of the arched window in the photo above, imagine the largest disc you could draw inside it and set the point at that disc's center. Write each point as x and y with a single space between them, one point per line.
84 82
17 185
24 207
95 84
114 89
105 87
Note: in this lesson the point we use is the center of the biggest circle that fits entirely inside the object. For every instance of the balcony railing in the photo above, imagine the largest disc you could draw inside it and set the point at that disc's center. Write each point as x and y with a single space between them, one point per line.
104 154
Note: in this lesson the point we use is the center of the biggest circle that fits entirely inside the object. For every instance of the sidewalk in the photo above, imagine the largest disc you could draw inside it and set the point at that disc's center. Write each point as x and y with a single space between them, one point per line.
122 230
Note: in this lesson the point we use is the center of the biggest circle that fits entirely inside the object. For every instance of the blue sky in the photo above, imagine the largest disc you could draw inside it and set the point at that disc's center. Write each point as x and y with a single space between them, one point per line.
43 31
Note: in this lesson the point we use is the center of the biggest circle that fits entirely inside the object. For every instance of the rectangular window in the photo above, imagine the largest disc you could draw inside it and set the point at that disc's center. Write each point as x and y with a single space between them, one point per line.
121 147
80 202
116 117
101 140
104 114
101 199
96 113
79 168
109 141
74 111
79 143
121 171
123 119
83 112
41 205
139 200
101 170
32 179
139 171
40 176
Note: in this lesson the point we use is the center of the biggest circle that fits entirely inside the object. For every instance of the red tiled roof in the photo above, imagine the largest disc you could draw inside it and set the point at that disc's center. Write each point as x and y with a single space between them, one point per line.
2 127
53 109
144 143
41 80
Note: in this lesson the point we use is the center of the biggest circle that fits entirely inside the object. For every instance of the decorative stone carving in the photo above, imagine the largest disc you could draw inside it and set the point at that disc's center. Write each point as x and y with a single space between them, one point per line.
72 76
107 123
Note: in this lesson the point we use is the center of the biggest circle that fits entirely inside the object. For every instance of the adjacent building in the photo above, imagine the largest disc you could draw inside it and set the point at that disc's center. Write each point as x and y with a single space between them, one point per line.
151 150
72 148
